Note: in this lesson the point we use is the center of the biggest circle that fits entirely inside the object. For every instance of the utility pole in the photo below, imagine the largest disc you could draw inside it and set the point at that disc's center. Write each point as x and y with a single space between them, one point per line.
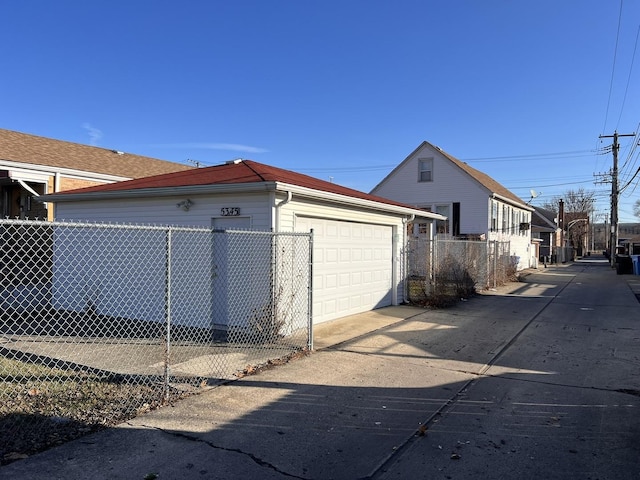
614 192
561 225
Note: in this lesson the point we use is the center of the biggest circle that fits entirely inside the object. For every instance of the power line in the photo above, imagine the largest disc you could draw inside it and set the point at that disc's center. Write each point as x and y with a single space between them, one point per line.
613 68
562 184
550 156
525 157
624 98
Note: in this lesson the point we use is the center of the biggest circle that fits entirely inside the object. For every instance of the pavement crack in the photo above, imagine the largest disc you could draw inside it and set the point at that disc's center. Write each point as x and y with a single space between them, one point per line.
628 391
254 458
477 375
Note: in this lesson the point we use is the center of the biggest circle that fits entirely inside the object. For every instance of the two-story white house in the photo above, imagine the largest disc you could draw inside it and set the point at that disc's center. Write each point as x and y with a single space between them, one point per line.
476 206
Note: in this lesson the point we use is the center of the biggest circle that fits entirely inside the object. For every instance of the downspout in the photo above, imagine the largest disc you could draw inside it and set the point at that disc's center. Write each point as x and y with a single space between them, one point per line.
28 188
274 272
278 207
56 188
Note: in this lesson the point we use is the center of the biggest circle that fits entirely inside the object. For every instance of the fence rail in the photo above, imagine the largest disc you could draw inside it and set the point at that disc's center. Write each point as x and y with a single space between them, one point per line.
98 322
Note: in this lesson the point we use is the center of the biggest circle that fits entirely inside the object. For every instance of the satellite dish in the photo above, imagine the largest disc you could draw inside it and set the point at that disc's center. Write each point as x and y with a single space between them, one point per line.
534 194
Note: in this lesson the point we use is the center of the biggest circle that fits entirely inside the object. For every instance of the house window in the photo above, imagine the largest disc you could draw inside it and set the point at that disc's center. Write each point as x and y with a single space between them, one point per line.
525 225
425 173
423 228
505 218
442 226
494 216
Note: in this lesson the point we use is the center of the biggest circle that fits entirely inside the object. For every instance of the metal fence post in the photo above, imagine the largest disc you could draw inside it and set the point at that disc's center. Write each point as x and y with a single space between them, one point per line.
434 265
310 291
167 311
495 264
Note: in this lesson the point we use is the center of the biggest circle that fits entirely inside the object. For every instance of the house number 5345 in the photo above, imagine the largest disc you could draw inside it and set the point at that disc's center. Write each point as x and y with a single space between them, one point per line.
230 211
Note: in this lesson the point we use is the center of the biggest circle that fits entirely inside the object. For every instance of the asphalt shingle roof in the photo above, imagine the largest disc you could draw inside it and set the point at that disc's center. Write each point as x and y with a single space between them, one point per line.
35 150
238 172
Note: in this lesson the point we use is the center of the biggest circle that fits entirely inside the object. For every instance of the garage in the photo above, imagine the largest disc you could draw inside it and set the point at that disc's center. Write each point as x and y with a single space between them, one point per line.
358 238
352 266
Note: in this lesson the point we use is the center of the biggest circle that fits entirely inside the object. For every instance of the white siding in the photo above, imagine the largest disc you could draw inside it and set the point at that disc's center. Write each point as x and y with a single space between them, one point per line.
449 185
163 210
508 231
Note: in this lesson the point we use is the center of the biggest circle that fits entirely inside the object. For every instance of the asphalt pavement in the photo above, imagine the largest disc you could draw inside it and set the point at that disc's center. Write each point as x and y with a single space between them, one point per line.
537 379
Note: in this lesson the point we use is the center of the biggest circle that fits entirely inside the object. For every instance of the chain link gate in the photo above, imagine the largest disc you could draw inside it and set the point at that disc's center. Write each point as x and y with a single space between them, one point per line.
101 322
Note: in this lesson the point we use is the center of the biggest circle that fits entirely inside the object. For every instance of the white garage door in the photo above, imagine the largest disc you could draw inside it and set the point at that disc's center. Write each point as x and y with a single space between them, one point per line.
352 267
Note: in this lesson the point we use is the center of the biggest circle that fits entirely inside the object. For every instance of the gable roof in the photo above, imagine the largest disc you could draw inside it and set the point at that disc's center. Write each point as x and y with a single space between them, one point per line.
244 174
543 218
34 150
480 177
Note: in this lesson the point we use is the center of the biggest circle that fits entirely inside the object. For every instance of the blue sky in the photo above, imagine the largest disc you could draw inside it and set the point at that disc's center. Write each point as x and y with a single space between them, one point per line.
341 90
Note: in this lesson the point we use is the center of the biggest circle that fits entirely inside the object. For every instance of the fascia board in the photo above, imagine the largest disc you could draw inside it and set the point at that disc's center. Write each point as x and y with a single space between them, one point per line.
359 202
27 175
71 172
511 202
161 192
538 228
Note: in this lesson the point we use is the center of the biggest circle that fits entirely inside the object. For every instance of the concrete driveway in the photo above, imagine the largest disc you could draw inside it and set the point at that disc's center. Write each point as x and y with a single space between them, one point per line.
537 379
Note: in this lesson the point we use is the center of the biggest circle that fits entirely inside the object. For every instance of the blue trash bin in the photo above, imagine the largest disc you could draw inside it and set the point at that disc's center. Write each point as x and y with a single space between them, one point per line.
636 264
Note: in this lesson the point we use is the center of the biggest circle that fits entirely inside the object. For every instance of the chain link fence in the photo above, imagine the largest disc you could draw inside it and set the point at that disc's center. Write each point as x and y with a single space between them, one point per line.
450 268
101 322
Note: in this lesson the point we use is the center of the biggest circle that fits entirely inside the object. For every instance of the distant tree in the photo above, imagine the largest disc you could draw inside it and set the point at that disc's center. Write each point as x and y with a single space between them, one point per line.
636 208
575 201
578 204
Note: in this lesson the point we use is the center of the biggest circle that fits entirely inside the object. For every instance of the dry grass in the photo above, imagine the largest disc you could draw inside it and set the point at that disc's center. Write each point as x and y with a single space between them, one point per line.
41 407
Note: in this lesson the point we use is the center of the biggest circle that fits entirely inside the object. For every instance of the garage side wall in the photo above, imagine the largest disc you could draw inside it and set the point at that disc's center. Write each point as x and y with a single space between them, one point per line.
167 211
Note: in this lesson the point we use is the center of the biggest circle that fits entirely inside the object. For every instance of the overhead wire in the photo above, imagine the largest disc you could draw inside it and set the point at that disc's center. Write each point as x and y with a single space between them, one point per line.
613 68
626 90
627 173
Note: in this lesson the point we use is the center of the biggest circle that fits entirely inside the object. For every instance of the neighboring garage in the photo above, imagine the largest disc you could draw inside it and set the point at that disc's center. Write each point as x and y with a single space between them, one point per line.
358 238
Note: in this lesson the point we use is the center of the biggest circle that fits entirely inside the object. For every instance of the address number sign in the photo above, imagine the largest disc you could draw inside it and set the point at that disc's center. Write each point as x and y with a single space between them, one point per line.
230 211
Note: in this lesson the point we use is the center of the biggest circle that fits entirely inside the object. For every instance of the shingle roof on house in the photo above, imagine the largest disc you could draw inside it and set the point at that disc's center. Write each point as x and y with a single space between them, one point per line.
236 172
543 218
35 150
483 178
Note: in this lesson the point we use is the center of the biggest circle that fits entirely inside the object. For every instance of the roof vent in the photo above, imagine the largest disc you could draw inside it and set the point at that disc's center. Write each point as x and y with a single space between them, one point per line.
234 161
117 152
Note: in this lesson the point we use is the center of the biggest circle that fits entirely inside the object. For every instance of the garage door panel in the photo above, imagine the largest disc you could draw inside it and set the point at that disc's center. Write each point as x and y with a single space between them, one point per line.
343 304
